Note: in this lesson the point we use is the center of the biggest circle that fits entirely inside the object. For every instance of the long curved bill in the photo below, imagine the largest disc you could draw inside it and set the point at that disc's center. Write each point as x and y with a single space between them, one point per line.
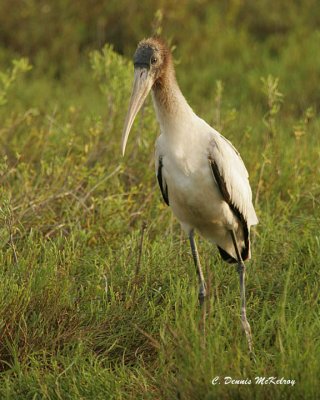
141 87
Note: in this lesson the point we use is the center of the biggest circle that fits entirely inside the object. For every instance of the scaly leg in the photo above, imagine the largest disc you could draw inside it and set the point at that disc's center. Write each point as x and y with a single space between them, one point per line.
202 283
241 270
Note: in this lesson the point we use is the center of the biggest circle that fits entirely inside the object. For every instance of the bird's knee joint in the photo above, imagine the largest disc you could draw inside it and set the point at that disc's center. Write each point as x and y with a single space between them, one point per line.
202 294
241 267
201 299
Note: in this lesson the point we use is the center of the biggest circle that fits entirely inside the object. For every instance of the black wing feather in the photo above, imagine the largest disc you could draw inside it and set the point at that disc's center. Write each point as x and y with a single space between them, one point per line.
225 194
162 184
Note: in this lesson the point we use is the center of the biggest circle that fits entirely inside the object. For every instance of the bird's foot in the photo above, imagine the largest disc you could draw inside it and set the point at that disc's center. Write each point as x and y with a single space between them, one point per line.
247 329
202 294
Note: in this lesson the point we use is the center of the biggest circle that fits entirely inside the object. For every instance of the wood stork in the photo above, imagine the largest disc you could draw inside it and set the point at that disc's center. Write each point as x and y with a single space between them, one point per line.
201 175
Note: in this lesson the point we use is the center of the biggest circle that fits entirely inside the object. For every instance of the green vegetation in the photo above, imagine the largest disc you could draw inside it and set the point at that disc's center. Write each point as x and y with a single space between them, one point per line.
93 303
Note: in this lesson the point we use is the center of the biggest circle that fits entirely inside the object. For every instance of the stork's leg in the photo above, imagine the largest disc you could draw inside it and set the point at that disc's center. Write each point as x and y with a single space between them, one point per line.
202 283
241 270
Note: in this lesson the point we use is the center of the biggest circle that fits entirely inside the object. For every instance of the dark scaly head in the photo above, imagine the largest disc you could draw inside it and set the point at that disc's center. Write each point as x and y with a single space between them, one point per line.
152 61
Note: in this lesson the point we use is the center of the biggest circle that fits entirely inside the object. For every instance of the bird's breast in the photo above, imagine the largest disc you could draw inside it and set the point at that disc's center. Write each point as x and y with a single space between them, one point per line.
194 196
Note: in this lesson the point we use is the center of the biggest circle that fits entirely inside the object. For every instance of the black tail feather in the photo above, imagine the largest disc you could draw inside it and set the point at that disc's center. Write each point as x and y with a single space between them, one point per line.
231 260
226 256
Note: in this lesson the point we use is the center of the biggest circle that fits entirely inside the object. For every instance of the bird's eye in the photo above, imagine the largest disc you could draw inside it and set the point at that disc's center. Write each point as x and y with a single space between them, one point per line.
153 60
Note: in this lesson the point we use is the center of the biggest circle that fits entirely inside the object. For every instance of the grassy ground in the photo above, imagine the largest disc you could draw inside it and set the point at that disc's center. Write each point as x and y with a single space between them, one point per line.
98 293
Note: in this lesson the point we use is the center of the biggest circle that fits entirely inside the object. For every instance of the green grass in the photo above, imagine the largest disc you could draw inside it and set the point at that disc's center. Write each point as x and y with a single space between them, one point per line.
90 311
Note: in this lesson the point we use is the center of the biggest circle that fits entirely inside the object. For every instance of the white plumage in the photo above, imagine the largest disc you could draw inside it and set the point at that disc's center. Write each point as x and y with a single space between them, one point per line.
194 195
185 145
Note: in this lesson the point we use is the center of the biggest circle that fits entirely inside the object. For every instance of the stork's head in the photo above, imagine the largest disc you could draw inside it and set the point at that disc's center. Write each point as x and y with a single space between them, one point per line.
151 61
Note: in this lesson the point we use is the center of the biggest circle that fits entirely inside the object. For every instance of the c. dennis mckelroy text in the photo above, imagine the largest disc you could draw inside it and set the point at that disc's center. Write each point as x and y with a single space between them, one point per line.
258 380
